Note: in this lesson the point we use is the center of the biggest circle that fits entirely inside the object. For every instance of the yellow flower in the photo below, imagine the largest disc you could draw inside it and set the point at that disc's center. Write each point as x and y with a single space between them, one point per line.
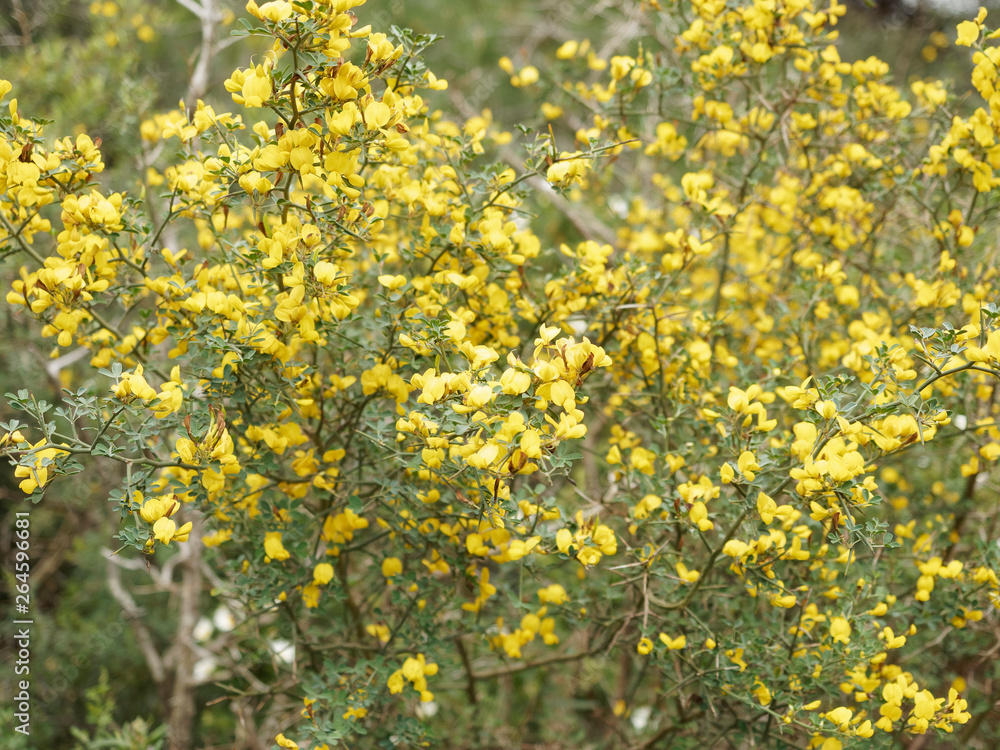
132 386
253 86
726 473
840 630
553 594
688 576
699 514
766 507
968 32
276 10
165 531
323 573
673 644
310 596
762 693
153 509
841 716
273 547
392 566
736 657
747 464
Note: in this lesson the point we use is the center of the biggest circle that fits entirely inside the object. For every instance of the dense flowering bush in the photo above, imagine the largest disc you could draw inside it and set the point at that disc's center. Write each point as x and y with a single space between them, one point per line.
712 461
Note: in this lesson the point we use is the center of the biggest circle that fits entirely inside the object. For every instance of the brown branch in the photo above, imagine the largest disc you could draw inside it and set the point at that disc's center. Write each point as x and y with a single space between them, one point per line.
470 675
182 653
515 668
134 613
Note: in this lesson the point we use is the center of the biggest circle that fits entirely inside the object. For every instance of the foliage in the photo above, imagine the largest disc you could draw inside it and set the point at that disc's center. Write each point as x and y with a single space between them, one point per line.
136 735
713 458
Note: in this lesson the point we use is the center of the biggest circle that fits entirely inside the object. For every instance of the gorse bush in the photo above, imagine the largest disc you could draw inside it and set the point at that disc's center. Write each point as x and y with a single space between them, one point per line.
713 462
